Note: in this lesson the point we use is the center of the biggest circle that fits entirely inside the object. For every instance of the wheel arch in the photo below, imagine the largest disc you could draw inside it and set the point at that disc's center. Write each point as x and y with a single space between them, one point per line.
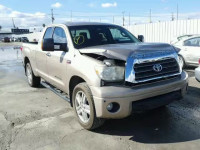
181 55
184 59
26 60
74 81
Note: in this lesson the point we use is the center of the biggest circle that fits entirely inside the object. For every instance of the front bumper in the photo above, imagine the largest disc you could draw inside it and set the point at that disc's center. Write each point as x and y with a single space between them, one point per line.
197 74
125 96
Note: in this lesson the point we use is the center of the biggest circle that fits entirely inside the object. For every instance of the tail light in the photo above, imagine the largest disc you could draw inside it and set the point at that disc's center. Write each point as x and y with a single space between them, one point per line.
199 61
21 48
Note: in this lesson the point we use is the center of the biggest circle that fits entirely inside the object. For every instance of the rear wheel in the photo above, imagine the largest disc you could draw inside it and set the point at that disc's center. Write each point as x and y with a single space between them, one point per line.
33 81
84 107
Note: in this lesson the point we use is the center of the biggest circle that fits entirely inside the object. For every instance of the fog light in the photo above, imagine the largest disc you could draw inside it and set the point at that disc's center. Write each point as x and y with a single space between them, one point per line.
110 107
113 107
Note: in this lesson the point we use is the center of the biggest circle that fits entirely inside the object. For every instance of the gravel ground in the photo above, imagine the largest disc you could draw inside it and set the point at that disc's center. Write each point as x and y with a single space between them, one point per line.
36 118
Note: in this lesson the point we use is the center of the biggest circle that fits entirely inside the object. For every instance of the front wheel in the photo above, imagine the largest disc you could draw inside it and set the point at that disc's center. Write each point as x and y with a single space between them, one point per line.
84 108
33 81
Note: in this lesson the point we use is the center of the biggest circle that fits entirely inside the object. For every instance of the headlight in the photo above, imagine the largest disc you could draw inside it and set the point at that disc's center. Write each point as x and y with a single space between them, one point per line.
113 73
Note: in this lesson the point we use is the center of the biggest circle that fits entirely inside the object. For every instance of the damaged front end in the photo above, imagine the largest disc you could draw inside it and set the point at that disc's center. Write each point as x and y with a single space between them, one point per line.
110 71
135 67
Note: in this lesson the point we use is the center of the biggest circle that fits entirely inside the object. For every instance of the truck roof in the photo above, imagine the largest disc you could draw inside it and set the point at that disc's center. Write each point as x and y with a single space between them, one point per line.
85 23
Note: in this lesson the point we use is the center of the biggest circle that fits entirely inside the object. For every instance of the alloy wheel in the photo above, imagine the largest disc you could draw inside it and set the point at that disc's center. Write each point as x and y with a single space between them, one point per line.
82 107
29 73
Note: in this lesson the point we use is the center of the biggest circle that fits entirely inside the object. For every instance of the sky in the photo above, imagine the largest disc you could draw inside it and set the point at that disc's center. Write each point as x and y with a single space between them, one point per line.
33 13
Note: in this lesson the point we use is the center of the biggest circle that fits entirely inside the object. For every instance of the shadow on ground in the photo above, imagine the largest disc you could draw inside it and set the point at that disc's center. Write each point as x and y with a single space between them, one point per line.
175 123
194 91
156 126
190 70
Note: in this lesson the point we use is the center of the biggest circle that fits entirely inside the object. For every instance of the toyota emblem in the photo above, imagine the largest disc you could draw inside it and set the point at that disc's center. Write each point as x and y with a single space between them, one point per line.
157 67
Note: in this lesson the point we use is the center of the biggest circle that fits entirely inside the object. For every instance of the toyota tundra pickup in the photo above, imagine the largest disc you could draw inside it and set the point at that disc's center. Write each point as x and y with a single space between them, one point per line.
105 71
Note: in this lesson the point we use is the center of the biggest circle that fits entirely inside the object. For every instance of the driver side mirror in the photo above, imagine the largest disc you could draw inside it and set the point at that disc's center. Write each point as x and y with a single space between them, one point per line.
141 38
48 44
65 47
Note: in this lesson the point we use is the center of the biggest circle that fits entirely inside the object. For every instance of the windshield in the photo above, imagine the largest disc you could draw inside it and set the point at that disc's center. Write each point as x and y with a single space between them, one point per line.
93 35
183 37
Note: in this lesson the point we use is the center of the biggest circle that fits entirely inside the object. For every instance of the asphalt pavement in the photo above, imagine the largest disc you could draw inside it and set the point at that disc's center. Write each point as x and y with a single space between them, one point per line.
37 119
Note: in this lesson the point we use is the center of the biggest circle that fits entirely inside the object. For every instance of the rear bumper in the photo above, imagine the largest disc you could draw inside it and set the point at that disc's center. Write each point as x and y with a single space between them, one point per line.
127 96
197 74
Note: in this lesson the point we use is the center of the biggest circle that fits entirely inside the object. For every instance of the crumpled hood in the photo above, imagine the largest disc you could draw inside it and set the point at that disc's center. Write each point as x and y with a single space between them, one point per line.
123 51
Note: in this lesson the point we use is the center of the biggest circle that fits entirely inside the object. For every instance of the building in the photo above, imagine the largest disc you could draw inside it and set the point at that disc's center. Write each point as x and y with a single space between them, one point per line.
13 33
5 34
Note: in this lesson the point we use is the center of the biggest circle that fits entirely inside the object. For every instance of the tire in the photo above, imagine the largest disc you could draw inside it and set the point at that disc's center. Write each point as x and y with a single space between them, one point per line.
84 108
33 81
182 62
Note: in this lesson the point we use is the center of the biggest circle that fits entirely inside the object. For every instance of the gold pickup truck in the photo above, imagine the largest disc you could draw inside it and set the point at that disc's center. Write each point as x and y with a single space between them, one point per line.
105 71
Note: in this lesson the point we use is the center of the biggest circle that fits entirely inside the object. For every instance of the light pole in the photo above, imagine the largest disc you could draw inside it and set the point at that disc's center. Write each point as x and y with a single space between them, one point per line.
52 17
123 18
177 12
150 21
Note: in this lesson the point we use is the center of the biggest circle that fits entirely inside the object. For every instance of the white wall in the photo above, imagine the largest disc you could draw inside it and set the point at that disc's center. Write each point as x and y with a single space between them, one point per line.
165 31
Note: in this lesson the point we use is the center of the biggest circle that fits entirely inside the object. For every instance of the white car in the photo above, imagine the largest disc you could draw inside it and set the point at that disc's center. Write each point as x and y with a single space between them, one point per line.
179 38
189 53
197 72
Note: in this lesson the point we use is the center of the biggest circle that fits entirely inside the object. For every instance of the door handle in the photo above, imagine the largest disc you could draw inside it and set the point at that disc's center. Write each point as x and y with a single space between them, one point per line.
48 54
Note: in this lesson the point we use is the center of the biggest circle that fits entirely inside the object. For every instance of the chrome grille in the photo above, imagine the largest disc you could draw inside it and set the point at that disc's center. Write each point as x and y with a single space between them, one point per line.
144 71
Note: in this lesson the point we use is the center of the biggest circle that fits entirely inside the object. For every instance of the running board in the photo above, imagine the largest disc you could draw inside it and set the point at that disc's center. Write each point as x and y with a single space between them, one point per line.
56 91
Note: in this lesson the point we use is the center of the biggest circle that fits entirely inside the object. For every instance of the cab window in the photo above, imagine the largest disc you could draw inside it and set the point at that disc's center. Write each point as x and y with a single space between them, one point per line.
60 39
48 33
